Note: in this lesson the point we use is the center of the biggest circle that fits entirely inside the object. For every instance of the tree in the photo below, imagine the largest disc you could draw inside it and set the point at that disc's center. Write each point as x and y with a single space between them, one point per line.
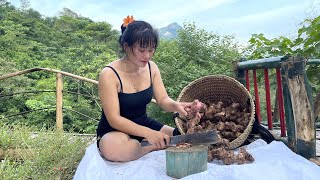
206 49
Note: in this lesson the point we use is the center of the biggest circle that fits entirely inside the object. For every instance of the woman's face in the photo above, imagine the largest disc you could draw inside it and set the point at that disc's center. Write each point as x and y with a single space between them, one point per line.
140 55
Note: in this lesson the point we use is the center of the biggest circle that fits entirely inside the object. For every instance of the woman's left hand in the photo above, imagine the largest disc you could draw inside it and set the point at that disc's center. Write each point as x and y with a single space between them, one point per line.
183 108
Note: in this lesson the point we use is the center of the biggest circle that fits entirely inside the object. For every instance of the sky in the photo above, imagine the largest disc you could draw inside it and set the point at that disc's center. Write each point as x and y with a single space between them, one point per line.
240 18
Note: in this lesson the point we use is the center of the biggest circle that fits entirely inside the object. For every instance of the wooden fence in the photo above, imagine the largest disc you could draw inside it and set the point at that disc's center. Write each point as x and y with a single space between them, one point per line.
59 88
294 98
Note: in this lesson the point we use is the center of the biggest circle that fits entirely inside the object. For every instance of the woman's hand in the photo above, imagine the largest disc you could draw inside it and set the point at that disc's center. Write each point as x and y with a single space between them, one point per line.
158 139
183 107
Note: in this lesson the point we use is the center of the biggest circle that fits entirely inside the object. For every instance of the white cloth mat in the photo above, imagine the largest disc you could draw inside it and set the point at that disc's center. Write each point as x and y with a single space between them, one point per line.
272 161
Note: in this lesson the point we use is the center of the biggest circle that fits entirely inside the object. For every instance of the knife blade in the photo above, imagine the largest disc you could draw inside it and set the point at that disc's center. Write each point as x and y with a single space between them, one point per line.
203 138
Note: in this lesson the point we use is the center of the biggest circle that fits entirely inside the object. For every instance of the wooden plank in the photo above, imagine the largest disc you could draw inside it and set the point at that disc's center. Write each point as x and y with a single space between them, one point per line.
302 140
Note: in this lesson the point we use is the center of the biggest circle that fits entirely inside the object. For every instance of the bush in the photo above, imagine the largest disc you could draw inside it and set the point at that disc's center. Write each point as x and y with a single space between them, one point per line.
50 154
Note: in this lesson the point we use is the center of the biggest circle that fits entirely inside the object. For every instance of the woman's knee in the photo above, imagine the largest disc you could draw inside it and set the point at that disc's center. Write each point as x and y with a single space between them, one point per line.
117 146
110 142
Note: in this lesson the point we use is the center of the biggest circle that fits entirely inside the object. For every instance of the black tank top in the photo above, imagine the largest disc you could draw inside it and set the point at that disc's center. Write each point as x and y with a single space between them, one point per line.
133 106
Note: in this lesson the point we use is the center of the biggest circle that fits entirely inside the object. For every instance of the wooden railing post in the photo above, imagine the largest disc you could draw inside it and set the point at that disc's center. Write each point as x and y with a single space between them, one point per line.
299 112
59 88
240 73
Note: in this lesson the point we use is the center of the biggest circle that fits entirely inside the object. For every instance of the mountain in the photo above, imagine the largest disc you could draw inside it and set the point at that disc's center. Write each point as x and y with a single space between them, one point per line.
170 31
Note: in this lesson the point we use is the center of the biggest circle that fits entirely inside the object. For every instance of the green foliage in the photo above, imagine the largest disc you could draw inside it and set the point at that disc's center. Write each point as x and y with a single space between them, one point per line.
195 53
157 113
53 154
262 47
78 45
69 43
309 37
81 114
307 43
12 104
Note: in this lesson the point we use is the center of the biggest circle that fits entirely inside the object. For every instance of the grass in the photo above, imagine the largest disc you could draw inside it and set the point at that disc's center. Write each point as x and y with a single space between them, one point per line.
48 154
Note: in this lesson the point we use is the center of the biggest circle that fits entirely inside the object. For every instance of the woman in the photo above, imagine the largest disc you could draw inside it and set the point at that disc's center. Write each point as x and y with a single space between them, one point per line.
126 86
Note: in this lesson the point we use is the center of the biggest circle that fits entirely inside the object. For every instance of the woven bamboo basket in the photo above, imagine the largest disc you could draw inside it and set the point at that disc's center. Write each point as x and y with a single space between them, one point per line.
214 88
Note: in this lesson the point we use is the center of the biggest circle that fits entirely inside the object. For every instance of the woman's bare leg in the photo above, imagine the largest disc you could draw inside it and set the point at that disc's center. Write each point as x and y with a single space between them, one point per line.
118 146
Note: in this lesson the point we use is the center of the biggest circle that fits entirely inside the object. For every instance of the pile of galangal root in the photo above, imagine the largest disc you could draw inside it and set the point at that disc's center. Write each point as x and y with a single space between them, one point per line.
228 119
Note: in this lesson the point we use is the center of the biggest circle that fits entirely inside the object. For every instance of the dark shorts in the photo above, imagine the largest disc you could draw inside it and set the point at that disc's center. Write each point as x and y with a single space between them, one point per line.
148 122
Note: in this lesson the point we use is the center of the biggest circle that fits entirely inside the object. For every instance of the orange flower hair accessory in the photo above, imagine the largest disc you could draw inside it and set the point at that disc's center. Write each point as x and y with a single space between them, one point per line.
127 21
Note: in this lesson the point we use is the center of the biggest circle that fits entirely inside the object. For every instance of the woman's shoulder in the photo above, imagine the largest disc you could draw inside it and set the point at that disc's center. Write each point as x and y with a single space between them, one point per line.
110 68
152 63
112 65
154 66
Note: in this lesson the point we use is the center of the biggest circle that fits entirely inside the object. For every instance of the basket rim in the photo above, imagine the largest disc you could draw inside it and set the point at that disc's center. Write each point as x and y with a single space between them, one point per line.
207 77
239 140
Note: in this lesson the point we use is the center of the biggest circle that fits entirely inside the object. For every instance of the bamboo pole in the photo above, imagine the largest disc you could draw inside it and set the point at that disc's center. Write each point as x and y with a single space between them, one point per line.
59 87
71 75
19 73
299 108
49 70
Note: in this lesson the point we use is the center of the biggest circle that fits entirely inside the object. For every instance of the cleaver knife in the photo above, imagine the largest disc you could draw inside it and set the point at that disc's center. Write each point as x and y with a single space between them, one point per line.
203 138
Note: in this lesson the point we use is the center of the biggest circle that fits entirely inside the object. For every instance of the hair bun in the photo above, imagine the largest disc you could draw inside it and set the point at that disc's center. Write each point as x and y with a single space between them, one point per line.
123 28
